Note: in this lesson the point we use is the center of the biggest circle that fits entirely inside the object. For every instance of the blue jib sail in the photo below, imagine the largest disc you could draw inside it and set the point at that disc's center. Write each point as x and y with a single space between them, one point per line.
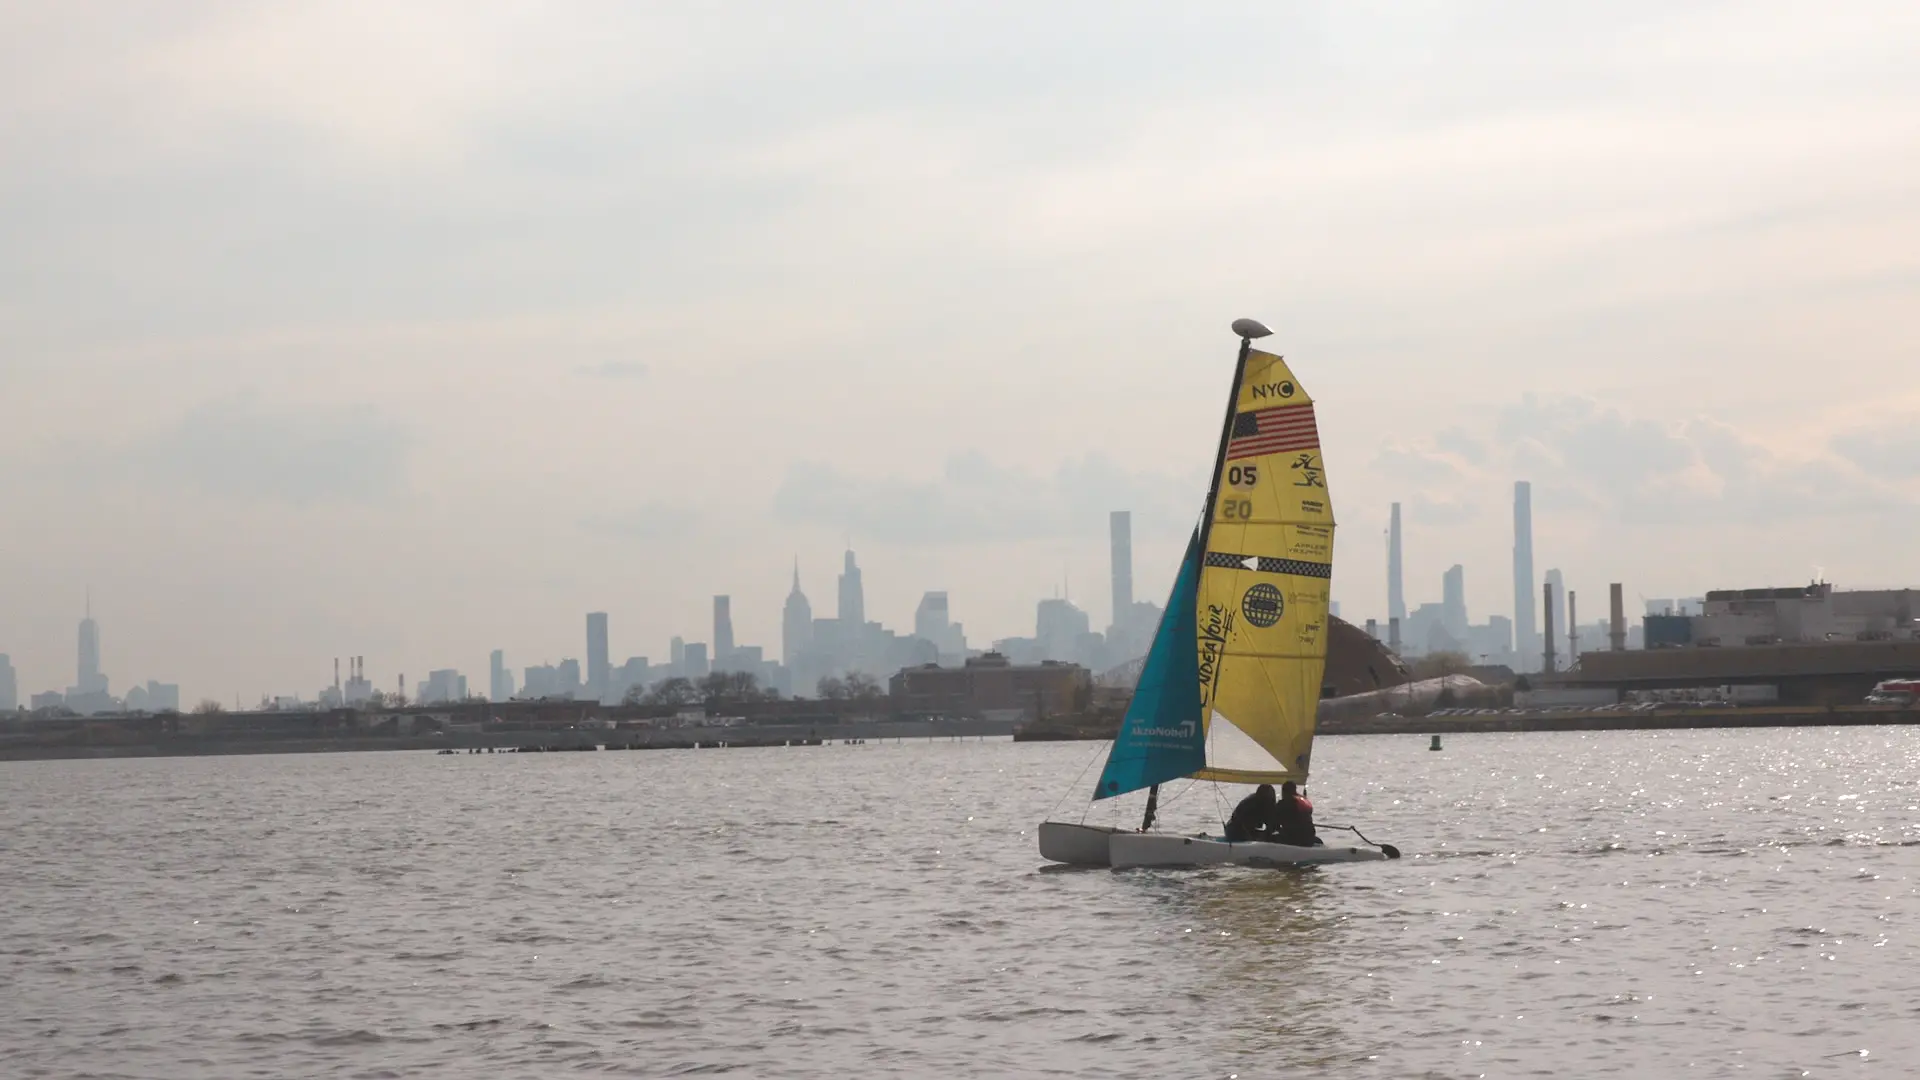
1161 738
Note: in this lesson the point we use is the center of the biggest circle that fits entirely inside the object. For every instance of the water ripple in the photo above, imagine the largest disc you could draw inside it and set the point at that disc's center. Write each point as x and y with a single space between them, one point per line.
1586 904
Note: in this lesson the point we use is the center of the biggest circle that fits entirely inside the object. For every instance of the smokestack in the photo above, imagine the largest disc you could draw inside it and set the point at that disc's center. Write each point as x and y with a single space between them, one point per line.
1522 566
1617 628
1573 631
1396 595
1393 635
1547 592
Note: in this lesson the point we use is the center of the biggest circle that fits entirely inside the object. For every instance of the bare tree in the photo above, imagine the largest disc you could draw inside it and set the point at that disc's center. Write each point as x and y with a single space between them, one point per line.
831 689
208 707
730 688
674 691
864 687
1434 665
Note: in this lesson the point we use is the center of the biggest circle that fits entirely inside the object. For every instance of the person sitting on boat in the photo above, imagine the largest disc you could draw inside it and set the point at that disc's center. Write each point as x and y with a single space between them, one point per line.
1292 818
1250 820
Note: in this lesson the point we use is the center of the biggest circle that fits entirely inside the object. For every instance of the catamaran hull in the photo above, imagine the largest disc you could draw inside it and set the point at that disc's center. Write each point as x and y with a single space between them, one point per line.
1127 849
1076 845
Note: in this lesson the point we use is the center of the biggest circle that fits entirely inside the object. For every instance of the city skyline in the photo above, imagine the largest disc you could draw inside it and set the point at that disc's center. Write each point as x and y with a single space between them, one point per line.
1438 624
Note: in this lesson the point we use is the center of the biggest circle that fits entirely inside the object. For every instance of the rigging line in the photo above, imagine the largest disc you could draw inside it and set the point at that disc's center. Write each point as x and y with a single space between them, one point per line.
1076 783
1176 798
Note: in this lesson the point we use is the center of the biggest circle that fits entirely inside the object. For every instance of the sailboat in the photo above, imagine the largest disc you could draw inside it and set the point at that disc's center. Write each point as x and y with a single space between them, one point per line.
1232 679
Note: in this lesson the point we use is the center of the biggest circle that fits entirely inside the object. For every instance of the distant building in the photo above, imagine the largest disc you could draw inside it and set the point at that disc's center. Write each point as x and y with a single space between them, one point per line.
1813 613
932 622
443 687
1425 631
9 685
635 673
1811 644
359 688
540 682
1059 628
696 665
1120 557
91 681
499 677
1019 651
853 600
567 678
1453 602
992 683
1526 591
1396 590
155 697
1491 642
599 666
796 623
723 633
52 699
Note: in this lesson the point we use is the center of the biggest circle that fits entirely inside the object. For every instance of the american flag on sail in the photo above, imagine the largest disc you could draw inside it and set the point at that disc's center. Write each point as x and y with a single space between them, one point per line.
1273 431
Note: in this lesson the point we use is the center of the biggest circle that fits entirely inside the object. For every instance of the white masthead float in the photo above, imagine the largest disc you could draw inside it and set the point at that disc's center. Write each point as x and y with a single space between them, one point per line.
1231 682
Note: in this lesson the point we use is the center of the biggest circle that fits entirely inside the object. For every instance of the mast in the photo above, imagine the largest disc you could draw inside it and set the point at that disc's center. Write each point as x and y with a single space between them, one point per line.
1248 329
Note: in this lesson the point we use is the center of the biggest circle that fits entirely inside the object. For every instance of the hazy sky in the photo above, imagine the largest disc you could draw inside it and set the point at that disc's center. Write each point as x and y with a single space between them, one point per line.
416 330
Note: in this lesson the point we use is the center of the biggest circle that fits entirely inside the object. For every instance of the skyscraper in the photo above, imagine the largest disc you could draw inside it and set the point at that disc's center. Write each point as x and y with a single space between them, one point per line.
930 618
796 623
90 680
1120 529
696 663
722 632
9 685
1059 628
853 601
499 677
599 666
1453 602
1524 640
1396 593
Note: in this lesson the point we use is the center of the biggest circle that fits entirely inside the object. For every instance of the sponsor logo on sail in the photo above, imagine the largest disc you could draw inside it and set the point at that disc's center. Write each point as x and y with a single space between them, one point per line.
1184 731
1213 642
1263 605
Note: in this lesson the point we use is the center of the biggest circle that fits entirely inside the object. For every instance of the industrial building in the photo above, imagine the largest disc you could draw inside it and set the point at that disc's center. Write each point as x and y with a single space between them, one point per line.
1807 614
992 683
1817 645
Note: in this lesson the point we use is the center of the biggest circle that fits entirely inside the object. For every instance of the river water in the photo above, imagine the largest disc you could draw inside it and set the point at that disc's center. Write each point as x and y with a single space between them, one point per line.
1715 903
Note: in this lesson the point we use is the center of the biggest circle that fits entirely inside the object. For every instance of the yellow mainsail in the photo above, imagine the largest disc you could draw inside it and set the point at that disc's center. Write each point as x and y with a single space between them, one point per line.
1264 581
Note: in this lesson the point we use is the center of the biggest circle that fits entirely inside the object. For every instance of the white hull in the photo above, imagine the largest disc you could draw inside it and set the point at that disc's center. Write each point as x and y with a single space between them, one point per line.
1076 845
1129 849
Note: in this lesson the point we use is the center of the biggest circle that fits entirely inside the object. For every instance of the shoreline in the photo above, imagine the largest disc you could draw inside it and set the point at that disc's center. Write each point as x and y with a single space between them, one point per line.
738 737
1661 720
794 736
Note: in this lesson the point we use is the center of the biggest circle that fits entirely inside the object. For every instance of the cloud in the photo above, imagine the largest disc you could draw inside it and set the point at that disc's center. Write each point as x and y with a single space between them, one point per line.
654 519
1586 455
1889 449
975 500
238 448
613 369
